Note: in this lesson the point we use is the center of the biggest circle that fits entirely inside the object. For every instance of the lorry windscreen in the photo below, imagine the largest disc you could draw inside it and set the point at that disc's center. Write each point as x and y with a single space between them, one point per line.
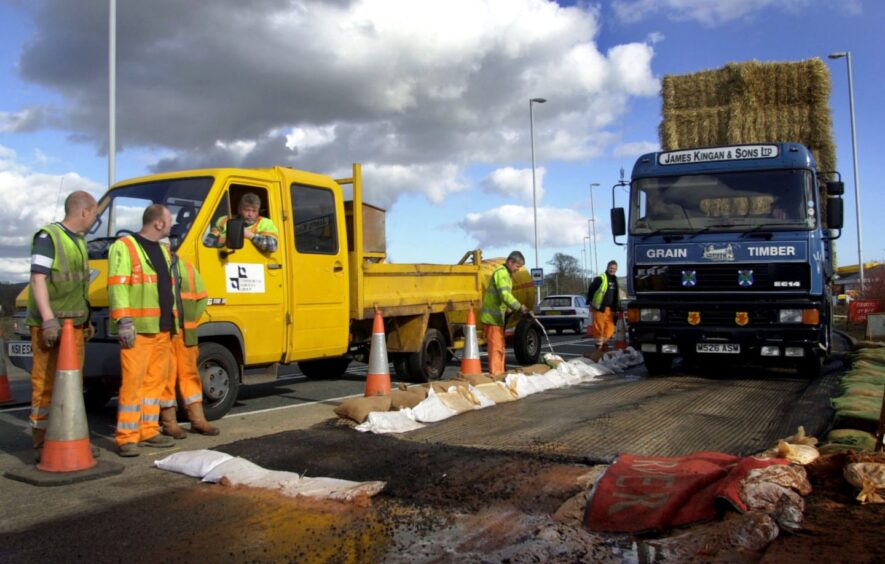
121 209
732 201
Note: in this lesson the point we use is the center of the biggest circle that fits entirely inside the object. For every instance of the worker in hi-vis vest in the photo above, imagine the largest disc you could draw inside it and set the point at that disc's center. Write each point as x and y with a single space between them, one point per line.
59 290
184 376
145 317
605 301
260 230
496 302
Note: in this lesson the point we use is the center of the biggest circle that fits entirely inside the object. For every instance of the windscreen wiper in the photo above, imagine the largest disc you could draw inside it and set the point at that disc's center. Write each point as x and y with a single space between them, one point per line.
759 229
708 228
663 230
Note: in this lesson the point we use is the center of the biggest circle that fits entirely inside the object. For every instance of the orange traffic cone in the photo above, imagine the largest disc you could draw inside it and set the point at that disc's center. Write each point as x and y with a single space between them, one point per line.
620 334
67 440
470 363
378 379
5 392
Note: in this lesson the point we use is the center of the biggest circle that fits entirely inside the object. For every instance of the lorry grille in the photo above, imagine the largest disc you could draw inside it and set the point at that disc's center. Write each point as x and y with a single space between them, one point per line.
709 315
733 277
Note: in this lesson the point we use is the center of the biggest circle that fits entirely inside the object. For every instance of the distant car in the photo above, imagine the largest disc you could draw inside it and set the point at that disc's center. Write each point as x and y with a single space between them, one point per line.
560 312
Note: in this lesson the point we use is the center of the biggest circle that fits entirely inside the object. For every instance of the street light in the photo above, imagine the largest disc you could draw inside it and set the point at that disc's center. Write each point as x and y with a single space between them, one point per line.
593 216
586 242
533 101
847 56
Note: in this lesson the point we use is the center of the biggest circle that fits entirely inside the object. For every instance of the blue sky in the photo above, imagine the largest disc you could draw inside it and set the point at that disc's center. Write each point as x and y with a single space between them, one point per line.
432 97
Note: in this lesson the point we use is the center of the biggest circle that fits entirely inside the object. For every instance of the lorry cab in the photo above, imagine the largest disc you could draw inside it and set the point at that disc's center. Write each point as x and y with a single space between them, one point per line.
729 253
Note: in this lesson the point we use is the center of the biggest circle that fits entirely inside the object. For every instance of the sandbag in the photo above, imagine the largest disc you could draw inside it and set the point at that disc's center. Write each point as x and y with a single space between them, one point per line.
801 454
534 369
193 463
869 478
389 422
432 409
862 389
850 439
497 392
456 402
857 403
867 376
800 438
863 420
358 409
475 379
787 475
400 399
443 386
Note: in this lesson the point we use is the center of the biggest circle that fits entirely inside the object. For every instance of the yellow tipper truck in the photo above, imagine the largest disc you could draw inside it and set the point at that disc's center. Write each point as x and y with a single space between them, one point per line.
311 301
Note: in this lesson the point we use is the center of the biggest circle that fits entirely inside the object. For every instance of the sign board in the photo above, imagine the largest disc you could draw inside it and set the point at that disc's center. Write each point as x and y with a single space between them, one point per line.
858 310
876 326
538 276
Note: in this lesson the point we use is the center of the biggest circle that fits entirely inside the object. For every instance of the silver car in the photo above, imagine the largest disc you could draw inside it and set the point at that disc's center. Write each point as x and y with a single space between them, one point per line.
565 311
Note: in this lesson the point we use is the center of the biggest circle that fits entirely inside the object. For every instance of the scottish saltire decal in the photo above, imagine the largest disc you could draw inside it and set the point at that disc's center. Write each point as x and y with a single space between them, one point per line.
689 278
745 278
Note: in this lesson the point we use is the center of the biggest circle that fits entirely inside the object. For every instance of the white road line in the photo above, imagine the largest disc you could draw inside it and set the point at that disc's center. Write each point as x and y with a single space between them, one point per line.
289 406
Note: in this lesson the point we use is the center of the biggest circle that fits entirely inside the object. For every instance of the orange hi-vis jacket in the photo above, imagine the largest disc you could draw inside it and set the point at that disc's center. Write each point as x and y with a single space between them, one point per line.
132 287
193 296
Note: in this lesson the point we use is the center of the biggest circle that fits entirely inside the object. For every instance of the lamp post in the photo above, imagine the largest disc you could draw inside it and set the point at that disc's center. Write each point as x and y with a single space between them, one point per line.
593 217
112 92
586 242
533 101
847 56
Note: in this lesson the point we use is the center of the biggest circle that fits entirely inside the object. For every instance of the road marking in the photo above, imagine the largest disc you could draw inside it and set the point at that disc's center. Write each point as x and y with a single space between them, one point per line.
268 410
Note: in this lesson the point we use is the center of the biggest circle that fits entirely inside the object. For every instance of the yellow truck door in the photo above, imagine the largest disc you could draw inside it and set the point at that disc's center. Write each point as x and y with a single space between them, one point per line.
247 287
319 270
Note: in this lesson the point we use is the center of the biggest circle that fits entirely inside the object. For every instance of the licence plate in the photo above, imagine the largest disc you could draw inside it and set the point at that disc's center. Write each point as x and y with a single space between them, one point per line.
721 348
19 348
551 313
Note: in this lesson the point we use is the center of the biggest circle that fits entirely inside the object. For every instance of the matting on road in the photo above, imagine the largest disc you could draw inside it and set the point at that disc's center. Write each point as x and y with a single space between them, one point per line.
659 416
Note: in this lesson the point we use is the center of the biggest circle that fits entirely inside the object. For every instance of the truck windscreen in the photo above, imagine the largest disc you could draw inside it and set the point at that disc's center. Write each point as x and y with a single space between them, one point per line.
121 209
737 201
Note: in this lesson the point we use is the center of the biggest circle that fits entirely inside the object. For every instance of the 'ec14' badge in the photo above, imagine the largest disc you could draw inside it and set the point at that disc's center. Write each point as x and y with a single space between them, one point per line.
745 278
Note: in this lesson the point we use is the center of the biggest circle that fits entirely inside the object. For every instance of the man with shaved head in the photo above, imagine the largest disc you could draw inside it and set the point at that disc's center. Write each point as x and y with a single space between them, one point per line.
59 290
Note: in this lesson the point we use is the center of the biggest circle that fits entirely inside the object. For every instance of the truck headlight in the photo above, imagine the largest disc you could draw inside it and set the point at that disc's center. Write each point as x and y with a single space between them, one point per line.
651 314
20 326
789 316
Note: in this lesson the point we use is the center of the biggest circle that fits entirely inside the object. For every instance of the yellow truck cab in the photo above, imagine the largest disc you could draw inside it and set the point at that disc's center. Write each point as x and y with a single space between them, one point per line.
311 301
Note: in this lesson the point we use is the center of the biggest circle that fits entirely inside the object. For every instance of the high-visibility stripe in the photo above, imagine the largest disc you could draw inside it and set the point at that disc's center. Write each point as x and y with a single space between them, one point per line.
39 411
194 398
39 423
41 260
167 403
190 324
128 426
135 312
194 295
128 408
151 401
145 417
113 280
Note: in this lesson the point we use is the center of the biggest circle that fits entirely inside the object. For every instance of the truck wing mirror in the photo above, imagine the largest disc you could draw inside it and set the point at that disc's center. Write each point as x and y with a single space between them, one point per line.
835 188
834 213
235 233
619 223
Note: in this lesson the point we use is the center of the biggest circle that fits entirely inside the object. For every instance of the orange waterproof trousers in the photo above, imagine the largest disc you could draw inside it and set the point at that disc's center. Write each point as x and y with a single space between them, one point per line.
495 344
603 325
43 374
145 370
183 374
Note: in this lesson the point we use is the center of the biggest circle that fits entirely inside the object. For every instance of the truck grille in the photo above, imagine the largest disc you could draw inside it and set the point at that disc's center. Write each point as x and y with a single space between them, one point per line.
709 315
733 277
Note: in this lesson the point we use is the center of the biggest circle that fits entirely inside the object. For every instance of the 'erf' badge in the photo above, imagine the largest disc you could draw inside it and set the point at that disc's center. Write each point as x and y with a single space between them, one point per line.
694 317
741 318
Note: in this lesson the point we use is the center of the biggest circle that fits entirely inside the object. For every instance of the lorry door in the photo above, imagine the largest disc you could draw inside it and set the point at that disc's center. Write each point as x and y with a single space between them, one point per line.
319 273
247 287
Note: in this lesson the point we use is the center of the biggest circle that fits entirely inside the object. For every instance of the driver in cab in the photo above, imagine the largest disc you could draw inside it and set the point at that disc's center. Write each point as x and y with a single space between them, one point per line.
260 230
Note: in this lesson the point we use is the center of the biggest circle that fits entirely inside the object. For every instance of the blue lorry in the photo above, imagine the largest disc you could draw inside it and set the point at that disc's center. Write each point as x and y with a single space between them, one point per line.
729 255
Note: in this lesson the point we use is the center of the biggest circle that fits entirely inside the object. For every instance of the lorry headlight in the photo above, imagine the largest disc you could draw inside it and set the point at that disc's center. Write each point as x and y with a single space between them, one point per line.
649 347
650 314
20 326
789 316
794 351
670 349
770 351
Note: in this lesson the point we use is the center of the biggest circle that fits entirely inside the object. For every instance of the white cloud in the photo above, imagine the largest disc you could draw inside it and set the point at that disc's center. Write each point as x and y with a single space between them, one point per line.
27 119
383 184
30 200
514 225
636 148
707 12
516 183
307 137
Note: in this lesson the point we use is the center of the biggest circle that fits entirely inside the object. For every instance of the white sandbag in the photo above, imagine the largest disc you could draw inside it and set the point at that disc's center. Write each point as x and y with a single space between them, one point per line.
382 422
557 379
480 399
594 368
521 385
497 392
543 382
432 409
241 472
193 463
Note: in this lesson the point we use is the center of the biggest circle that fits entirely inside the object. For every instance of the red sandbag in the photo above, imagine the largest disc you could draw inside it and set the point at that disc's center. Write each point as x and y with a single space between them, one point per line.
652 493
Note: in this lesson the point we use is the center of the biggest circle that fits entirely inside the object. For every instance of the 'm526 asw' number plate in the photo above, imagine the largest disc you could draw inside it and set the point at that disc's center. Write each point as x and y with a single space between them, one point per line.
721 348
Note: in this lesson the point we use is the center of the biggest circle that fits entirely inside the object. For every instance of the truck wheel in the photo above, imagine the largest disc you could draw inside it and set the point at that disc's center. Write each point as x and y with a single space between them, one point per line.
96 395
527 342
220 374
401 367
811 368
429 363
658 364
324 368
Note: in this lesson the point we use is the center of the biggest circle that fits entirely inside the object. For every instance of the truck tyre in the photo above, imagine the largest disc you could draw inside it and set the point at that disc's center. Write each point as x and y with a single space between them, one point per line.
401 367
324 368
658 364
527 342
811 368
220 374
96 395
429 362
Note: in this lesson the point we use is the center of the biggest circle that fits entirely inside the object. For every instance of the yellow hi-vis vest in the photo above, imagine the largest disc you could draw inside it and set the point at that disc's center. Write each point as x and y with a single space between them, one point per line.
498 298
599 295
192 292
68 279
132 287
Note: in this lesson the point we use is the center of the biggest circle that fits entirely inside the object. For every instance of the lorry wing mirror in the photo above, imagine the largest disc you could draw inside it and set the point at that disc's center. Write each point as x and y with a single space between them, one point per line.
235 233
835 188
834 213
619 223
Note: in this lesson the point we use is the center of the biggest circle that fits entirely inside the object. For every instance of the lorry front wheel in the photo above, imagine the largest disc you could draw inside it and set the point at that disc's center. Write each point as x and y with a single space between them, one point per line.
811 367
658 364
220 375
429 363
96 395
527 341
324 368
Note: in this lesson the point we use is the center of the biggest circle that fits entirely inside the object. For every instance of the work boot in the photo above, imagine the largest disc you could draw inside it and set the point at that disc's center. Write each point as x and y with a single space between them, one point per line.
198 420
128 450
158 441
39 436
170 424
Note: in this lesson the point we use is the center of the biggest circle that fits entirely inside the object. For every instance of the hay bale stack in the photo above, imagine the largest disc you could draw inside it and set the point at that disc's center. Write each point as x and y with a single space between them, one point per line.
751 102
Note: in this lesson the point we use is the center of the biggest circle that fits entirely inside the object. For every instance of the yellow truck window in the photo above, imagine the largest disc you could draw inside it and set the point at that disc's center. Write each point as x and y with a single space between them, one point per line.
316 230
